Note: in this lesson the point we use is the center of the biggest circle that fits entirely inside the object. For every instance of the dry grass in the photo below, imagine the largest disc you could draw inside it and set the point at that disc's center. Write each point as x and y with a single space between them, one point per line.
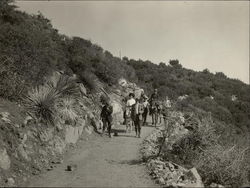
201 147
227 166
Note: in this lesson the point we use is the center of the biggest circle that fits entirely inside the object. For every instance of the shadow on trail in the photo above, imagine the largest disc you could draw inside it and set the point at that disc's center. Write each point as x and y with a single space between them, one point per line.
132 162
127 162
124 135
118 130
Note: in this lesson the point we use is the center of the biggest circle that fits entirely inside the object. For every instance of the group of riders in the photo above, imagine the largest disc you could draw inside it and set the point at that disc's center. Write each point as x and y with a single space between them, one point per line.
136 111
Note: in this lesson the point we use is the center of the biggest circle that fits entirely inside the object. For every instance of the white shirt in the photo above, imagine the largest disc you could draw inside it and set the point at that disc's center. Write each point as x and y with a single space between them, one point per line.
145 104
130 102
168 103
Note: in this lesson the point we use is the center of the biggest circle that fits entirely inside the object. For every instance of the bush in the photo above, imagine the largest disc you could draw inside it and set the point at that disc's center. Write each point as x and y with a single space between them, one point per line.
216 163
11 84
63 84
89 80
65 109
41 102
227 166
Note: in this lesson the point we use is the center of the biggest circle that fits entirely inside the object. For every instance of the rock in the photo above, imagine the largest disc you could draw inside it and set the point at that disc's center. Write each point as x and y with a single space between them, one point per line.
58 144
216 185
10 182
59 126
161 181
72 134
46 135
4 159
50 168
83 89
27 120
24 179
4 114
71 167
170 166
22 152
193 174
23 138
5 117
59 161
16 125
88 129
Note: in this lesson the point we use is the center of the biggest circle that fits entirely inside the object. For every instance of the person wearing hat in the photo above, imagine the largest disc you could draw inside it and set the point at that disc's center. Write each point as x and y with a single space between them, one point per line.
130 112
106 116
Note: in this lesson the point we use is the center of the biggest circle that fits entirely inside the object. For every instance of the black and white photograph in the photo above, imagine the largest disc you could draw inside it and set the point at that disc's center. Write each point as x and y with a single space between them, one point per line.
123 93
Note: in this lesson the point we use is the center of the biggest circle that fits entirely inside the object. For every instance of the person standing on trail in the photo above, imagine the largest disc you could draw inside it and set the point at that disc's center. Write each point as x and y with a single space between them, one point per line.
159 111
106 116
145 112
130 112
153 107
139 109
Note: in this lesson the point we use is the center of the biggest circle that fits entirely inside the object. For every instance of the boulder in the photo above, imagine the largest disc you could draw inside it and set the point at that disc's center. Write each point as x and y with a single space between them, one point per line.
22 152
58 144
161 181
71 167
218 185
5 117
83 89
27 120
10 182
4 159
46 135
193 174
72 134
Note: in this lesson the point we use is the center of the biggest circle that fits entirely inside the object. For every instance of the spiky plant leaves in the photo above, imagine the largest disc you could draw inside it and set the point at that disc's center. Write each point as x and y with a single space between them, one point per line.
63 84
66 109
41 102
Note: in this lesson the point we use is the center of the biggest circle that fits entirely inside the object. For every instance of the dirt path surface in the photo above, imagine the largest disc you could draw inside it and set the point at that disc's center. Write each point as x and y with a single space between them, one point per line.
101 162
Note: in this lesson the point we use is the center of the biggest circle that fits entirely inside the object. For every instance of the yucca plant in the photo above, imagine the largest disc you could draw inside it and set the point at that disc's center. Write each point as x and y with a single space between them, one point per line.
41 102
66 109
63 84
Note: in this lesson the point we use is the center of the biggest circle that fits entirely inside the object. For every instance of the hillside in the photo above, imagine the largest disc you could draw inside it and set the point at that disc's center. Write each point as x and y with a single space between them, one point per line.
32 52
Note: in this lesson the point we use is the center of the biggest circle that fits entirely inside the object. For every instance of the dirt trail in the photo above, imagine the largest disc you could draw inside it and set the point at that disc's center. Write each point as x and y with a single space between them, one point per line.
101 162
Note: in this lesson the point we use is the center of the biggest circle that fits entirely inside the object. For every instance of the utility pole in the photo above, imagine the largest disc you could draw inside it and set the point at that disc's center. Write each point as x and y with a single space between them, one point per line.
120 54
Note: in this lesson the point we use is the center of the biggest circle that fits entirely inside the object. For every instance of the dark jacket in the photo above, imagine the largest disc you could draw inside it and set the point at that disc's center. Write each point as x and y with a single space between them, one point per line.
106 113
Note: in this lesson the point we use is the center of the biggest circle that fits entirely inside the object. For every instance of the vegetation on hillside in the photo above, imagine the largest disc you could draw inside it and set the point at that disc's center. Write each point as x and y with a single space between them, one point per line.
31 50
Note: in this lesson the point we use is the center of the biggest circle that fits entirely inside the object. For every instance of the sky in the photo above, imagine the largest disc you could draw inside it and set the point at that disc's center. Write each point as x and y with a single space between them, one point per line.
200 34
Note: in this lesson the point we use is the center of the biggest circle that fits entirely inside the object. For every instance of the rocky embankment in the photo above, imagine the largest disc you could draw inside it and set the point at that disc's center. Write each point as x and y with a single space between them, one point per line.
165 172
30 147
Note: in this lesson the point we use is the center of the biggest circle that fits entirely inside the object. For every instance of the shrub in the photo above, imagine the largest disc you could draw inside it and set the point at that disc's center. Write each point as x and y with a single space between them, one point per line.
216 163
63 84
227 166
41 102
65 109
89 79
11 84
